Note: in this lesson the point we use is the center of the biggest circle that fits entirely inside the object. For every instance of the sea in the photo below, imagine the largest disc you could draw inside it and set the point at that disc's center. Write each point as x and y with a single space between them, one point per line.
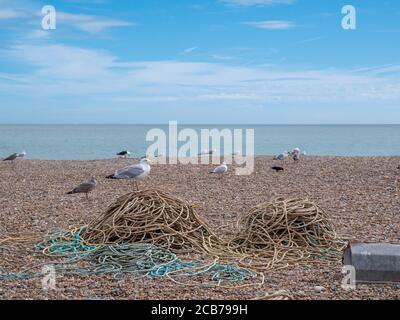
89 142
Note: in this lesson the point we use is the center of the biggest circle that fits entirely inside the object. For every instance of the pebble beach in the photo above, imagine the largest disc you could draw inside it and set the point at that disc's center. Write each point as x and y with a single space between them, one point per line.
361 195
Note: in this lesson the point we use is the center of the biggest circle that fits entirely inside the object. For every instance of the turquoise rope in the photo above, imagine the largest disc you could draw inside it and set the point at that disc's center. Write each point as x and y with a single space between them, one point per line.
57 246
137 260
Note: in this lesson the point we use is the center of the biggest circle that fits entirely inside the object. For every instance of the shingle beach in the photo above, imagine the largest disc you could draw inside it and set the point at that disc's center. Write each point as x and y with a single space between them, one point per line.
361 195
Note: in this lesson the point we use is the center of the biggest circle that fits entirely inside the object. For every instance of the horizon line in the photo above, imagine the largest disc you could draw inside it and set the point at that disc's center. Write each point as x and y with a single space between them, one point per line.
199 124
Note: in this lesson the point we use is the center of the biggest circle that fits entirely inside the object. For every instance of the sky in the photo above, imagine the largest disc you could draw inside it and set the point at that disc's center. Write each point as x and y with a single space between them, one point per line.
200 61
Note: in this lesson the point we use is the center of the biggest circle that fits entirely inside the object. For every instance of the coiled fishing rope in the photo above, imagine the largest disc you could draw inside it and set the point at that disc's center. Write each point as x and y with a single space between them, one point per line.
142 233
270 236
284 232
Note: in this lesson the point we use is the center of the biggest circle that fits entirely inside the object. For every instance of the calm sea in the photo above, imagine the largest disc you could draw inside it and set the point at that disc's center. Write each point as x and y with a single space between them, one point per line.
83 142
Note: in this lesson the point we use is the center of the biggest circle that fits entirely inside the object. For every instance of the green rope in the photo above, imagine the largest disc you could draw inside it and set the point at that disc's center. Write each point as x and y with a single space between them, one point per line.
58 244
137 260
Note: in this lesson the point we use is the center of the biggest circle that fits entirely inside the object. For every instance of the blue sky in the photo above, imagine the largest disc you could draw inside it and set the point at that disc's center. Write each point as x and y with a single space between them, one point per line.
200 61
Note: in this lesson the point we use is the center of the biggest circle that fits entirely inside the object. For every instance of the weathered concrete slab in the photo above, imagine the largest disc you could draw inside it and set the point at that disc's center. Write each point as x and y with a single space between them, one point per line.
374 262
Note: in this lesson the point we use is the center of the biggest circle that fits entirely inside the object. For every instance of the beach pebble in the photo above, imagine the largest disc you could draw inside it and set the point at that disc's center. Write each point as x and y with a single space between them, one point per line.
319 289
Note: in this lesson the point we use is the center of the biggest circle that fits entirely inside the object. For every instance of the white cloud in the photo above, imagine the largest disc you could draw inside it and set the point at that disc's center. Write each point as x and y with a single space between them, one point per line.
61 70
272 24
83 22
194 98
9 14
38 34
248 3
309 40
62 62
90 23
389 69
223 57
188 50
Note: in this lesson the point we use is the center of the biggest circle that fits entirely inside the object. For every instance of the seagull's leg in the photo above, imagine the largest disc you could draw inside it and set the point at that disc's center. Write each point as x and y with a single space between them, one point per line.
135 185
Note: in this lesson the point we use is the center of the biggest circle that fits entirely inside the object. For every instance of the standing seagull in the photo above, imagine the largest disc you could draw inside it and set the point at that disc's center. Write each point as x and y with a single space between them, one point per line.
136 172
207 152
14 156
296 154
282 156
296 151
123 154
85 187
11 157
223 168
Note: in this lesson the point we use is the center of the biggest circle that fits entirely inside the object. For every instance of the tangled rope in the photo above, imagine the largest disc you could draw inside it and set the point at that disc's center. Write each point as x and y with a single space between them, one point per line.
20 239
137 260
275 234
65 243
140 260
142 233
271 235
154 217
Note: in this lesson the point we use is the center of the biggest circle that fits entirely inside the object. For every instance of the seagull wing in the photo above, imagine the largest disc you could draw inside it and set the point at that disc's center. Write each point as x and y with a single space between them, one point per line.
84 187
11 157
130 172
220 169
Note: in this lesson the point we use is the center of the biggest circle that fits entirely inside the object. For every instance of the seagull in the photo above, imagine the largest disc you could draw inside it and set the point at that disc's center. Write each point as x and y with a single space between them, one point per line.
123 154
136 172
22 154
207 152
296 151
282 156
85 187
277 169
223 168
11 157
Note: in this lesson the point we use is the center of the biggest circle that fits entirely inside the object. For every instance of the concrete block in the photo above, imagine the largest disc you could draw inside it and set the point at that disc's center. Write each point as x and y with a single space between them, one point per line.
374 262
